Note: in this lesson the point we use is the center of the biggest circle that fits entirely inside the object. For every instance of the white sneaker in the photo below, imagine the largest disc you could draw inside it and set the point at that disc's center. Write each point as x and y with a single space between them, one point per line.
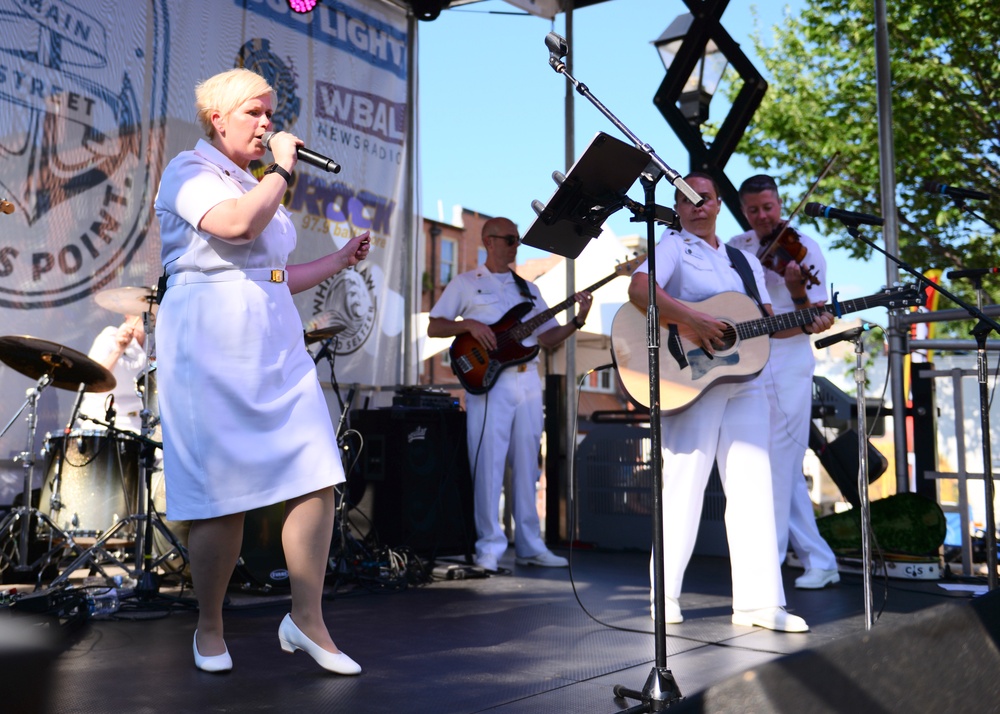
672 614
814 579
771 618
487 562
545 559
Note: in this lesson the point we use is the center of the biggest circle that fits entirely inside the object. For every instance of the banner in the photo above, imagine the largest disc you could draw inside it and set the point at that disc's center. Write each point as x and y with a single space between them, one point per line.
97 96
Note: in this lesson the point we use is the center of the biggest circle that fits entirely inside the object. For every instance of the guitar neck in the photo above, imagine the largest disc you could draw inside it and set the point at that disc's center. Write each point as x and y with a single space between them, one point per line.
799 318
523 329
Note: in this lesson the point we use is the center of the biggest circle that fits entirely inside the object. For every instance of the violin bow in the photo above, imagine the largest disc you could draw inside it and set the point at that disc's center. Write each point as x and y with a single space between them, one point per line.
822 174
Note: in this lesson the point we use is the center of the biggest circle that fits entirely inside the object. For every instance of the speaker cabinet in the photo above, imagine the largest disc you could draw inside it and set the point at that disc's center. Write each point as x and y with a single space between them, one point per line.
417 485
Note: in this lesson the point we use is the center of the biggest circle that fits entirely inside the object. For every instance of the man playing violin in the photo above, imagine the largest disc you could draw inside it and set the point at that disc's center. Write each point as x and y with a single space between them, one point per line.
795 273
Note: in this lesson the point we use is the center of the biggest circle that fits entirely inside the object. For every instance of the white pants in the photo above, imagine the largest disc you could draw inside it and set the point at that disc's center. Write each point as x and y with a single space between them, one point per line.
512 410
728 424
788 380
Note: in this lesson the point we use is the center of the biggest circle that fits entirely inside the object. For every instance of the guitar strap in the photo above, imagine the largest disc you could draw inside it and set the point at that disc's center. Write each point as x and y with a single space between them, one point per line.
742 266
522 286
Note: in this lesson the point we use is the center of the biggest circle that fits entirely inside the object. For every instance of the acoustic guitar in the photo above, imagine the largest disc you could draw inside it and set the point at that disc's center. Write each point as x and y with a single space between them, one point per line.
687 371
478 369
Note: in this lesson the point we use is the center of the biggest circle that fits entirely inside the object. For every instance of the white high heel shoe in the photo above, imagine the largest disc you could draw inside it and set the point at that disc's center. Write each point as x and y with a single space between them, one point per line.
213 663
292 638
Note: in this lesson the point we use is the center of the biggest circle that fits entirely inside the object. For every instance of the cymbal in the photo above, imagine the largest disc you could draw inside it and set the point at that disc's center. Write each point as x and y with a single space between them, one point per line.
324 333
128 300
67 367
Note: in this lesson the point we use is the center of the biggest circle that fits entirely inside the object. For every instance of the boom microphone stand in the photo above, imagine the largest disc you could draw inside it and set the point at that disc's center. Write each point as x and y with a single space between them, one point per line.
660 689
980 331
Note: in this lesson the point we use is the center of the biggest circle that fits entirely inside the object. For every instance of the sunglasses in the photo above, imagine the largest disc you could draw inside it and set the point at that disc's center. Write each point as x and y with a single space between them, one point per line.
511 240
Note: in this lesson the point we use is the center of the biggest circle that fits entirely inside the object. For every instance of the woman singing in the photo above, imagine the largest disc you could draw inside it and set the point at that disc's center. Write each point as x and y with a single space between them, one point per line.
245 422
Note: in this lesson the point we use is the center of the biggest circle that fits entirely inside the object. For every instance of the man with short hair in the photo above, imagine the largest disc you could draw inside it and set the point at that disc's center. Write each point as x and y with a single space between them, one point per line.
788 376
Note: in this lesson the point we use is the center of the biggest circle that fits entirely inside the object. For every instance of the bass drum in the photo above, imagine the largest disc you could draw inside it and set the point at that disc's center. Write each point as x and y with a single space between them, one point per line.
262 560
90 481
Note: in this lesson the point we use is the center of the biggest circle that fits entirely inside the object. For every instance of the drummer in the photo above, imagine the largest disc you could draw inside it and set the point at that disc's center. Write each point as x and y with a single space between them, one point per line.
121 349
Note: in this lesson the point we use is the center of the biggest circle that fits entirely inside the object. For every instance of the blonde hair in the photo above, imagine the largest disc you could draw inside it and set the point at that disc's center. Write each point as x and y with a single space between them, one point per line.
225 92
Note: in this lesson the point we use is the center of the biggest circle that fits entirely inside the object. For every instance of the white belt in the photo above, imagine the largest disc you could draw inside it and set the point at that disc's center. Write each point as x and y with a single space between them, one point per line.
260 275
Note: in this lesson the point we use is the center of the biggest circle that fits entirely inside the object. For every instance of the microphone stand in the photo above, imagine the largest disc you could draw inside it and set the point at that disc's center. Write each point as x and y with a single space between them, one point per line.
980 331
660 689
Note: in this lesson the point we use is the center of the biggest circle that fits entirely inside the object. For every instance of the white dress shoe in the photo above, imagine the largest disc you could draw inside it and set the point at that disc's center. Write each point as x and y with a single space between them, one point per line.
771 618
814 579
214 663
292 638
545 559
672 614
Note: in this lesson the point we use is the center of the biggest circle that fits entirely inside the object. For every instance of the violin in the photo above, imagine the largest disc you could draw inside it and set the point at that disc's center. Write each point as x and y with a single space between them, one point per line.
781 247
783 244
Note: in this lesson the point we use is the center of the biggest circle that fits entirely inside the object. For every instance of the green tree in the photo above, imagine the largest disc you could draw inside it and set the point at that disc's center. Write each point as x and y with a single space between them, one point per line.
822 99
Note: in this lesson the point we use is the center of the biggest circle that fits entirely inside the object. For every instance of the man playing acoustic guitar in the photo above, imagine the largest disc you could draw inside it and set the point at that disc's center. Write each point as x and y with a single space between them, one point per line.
727 424
504 423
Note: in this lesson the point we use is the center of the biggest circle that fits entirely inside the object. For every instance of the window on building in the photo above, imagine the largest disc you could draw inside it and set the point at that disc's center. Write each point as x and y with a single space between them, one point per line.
449 260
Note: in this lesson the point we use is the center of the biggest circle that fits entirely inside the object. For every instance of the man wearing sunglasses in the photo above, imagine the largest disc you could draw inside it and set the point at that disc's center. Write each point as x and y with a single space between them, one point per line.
504 424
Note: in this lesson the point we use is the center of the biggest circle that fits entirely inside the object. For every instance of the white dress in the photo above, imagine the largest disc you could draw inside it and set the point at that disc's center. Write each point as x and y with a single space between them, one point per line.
245 422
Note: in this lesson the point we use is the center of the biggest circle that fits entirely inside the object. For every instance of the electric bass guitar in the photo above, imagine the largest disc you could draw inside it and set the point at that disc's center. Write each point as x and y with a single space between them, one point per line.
478 369
687 371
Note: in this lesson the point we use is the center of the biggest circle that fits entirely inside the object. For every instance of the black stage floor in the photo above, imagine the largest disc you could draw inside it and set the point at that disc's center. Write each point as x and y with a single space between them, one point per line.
539 640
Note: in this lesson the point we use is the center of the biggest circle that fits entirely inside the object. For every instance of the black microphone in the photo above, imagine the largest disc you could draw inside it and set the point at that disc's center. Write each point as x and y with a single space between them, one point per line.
557 44
307 155
953 192
76 408
110 413
971 272
851 334
818 210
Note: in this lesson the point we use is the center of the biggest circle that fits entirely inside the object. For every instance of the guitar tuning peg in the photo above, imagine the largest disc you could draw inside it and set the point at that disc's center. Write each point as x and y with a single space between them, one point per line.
558 177
538 207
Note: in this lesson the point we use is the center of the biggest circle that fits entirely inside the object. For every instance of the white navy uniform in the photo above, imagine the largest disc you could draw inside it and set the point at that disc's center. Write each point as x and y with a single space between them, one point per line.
788 380
725 424
505 424
245 422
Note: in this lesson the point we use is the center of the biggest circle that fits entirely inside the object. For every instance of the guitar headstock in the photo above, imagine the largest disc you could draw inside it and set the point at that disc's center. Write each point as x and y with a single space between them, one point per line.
899 296
628 267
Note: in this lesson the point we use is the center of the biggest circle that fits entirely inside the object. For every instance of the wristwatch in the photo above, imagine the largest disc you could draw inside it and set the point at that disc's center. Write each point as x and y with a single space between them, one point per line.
576 321
276 169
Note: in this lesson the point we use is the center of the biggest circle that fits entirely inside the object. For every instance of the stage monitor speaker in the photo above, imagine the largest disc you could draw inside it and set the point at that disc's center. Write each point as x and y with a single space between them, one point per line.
418 489
944 659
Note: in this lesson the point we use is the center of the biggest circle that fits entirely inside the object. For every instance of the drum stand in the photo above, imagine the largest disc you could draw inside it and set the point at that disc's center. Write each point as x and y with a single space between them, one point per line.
146 518
22 514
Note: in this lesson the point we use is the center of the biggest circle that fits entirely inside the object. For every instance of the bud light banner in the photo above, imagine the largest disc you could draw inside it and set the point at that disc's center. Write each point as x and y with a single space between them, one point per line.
97 96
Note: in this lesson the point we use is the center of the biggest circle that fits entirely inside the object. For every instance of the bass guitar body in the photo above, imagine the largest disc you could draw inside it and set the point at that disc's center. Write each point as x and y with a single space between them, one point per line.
478 369
686 370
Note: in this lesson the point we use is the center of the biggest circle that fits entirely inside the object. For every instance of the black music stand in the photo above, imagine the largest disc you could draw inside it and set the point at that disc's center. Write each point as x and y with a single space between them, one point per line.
593 189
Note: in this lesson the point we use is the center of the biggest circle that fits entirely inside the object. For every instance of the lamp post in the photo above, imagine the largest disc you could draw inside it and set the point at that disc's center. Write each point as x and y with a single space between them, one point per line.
702 83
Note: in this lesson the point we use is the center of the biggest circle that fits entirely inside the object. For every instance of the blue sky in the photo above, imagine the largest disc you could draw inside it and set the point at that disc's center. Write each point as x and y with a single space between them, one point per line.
492 120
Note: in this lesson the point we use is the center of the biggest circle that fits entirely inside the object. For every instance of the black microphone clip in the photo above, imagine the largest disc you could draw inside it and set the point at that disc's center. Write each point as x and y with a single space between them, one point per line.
851 334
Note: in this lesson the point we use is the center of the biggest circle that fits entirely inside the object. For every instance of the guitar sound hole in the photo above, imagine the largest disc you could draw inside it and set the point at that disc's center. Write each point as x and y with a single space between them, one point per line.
729 338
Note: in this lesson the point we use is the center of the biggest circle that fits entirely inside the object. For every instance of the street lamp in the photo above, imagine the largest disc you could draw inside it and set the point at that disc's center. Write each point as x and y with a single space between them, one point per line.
704 79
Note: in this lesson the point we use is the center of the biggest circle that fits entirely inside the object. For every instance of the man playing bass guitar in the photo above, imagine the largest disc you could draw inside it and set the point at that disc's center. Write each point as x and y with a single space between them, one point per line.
728 424
504 423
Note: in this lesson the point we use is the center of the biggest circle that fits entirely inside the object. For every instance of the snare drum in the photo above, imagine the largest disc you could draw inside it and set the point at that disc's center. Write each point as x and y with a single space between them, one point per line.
98 479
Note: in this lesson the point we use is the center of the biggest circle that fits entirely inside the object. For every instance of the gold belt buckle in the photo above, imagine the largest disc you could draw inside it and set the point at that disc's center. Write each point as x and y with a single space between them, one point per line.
277 276
523 367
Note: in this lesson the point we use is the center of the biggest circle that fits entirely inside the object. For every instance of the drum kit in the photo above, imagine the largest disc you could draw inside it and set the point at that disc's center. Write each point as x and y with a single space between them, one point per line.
96 506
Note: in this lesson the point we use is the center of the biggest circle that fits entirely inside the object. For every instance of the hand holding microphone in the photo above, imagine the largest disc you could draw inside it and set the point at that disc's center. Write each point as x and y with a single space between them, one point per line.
306 155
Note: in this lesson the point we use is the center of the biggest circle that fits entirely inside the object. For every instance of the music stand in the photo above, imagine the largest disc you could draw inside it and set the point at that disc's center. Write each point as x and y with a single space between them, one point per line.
593 189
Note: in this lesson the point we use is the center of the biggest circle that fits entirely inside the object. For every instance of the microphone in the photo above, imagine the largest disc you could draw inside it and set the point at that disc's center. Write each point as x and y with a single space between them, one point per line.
851 334
76 408
954 192
6 207
307 155
557 44
818 210
971 272
110 413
